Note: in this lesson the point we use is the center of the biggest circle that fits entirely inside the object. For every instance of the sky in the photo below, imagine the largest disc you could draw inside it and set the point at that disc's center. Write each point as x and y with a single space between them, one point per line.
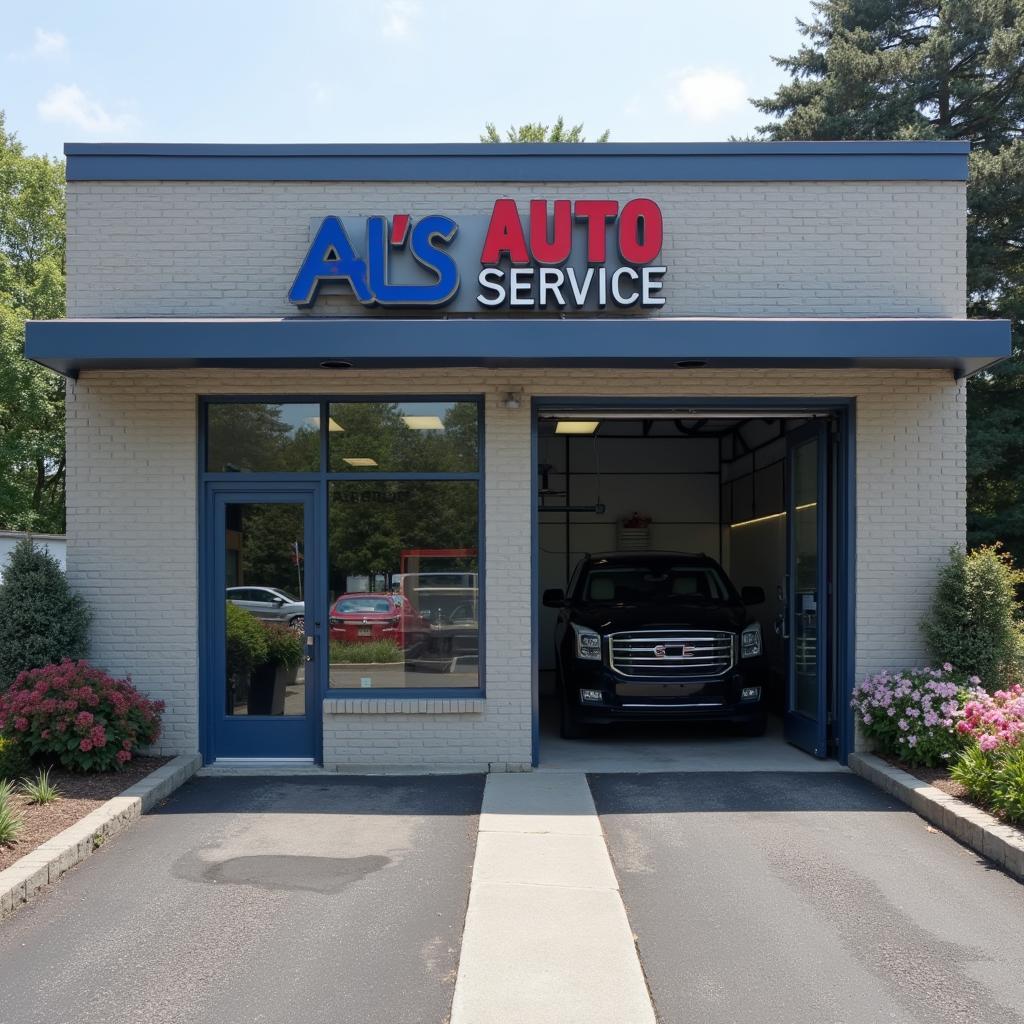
386 70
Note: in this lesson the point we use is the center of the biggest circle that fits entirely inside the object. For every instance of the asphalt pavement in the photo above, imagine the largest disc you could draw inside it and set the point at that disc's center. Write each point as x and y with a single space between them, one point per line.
791 898
246 900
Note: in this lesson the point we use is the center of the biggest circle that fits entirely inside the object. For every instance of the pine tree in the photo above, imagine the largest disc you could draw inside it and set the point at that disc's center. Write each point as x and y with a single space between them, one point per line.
944 69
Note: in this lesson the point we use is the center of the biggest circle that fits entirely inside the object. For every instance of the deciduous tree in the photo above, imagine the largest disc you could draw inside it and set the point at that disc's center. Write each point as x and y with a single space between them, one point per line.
31 287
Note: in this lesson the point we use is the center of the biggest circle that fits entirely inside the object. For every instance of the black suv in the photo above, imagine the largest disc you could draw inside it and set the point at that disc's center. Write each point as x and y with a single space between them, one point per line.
654 636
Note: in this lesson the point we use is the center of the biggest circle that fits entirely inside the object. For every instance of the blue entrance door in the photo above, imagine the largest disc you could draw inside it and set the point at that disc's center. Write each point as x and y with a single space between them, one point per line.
807 566
262 619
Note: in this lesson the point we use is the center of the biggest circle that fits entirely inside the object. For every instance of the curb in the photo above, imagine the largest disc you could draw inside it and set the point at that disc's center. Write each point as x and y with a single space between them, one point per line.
972 826
47 862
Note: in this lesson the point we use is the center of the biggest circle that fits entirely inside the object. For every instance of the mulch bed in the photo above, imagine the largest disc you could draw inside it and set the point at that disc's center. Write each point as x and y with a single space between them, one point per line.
937 777
79 794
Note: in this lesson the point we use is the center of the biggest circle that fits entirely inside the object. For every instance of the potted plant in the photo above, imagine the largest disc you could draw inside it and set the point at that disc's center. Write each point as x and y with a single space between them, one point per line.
278 670
245 648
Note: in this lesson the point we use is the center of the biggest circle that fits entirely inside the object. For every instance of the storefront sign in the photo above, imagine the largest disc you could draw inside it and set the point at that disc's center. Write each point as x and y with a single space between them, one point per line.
563 255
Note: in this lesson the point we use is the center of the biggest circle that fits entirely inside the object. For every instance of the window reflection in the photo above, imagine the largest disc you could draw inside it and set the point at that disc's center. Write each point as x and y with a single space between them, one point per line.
404 584
404 437
265 612
263 438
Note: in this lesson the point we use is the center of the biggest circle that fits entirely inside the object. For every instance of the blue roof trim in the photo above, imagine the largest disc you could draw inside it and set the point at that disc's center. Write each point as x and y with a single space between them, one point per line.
962 346
608 162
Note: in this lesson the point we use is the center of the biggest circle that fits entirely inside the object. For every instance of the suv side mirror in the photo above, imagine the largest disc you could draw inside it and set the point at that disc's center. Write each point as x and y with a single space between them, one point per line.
752 595
554 599
277 602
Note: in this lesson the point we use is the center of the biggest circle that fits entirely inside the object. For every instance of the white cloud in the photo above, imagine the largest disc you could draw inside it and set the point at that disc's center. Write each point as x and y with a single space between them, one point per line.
706 94
49 44
399 16
67 104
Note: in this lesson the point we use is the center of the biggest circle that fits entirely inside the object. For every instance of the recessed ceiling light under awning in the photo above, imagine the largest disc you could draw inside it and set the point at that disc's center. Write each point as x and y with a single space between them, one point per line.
591 413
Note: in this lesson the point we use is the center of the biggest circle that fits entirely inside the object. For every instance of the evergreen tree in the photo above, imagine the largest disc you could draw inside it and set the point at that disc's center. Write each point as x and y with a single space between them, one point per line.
939 69
538 132
41 620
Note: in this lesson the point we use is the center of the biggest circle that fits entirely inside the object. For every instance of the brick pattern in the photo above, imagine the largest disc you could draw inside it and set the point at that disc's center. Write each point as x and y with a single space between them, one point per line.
733 249
132 500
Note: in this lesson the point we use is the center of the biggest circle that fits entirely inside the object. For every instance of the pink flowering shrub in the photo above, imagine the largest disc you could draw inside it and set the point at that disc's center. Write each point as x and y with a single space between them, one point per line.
992 766
995 719
79 716
913 715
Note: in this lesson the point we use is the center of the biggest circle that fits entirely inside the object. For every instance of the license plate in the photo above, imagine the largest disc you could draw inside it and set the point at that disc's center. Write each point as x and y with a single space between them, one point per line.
364 631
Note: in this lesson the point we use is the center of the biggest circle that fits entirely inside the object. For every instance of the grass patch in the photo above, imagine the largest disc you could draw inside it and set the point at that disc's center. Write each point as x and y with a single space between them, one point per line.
375 653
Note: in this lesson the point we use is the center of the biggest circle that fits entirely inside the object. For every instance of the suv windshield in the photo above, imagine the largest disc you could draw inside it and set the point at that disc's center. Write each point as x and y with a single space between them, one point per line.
641 584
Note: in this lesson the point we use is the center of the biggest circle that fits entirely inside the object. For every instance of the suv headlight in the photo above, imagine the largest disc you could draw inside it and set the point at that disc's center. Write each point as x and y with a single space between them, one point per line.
588 643
750 641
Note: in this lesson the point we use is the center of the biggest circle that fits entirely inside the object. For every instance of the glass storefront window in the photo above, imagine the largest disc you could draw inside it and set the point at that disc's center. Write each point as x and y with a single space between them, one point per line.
263 437
404 437
404 584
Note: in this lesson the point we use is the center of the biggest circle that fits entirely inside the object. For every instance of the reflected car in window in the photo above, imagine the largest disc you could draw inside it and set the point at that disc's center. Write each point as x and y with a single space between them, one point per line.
271 604
366 618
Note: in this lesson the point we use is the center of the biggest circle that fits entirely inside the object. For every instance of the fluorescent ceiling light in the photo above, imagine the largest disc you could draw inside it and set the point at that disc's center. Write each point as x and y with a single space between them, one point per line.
332 424
577 426
423 422
360 462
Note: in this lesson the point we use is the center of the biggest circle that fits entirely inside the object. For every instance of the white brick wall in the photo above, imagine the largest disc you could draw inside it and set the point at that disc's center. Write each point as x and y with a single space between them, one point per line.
132 496
732 249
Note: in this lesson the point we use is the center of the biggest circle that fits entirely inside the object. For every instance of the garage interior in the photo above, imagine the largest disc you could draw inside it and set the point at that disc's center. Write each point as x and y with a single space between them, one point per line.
678 480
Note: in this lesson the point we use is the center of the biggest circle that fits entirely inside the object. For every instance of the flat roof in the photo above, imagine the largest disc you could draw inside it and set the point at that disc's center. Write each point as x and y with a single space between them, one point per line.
525 162
961 346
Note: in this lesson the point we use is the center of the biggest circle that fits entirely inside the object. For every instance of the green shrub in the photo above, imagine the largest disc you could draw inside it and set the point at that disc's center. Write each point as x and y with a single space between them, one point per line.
376 652
975 772
14 761
1007 798
246 642
974 620
994 779
41 621
284 645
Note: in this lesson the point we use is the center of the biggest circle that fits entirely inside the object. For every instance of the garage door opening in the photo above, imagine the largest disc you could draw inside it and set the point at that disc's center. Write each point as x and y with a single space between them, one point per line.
691 583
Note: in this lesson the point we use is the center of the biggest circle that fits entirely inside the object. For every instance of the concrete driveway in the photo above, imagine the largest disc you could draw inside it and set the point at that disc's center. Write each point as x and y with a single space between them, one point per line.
248 900
792 897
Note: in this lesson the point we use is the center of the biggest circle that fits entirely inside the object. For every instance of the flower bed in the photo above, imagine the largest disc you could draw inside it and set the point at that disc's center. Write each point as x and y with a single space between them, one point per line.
78 796
952 734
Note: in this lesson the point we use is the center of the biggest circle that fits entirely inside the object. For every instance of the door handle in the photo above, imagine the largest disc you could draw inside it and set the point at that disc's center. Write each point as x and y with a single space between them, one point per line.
310 647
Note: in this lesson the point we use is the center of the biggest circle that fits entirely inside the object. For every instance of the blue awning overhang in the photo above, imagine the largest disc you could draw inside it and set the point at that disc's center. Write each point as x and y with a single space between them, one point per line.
74 346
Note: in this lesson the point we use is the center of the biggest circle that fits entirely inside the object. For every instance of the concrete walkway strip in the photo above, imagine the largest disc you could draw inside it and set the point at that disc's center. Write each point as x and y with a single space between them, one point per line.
546 938
48 861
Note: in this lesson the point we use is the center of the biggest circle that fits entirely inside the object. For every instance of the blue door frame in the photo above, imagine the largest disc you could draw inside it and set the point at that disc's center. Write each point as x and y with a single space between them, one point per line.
802 729
257 736
842 555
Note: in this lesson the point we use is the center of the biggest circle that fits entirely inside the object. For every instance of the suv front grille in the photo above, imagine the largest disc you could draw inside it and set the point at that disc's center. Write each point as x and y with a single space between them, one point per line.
671 653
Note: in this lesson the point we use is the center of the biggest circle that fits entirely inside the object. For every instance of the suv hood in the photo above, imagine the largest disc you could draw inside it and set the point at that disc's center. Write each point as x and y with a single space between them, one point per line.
613 618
